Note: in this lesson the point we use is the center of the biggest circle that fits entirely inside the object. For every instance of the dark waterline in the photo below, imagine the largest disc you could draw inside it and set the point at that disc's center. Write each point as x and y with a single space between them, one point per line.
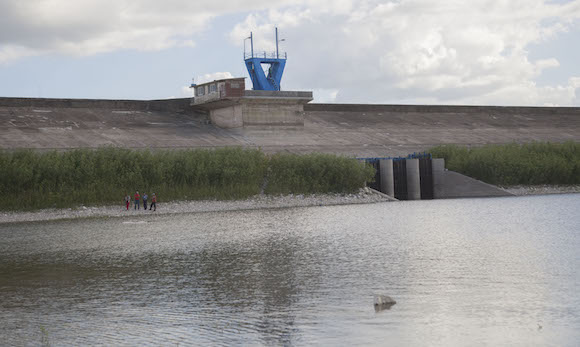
464 272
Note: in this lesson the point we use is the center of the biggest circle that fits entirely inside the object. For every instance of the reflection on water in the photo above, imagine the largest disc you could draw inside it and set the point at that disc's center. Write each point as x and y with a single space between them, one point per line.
483 271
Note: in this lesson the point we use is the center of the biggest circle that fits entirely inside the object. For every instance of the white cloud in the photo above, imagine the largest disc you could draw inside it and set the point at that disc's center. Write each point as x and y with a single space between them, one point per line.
10 53
410 51
325 95
186 92
212 77
84 27
381 51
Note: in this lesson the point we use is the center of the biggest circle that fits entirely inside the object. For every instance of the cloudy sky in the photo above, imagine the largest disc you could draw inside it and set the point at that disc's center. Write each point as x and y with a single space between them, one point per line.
477 52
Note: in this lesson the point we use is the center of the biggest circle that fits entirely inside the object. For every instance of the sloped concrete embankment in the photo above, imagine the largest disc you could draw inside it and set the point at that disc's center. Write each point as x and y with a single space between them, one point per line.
352 130
450 184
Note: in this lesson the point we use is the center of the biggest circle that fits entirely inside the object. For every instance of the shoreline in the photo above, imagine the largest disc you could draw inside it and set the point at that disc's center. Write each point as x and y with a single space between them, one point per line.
364 196
543 189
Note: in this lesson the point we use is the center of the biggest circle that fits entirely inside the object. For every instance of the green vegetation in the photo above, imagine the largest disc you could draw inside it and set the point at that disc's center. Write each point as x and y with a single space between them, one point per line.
513 164
32 180
316 173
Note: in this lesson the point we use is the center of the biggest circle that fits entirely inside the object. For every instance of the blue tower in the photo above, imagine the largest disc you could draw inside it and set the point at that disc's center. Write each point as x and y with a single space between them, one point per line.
270 78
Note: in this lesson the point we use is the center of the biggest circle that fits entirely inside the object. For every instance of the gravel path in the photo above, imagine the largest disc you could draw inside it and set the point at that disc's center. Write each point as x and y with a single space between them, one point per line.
365 196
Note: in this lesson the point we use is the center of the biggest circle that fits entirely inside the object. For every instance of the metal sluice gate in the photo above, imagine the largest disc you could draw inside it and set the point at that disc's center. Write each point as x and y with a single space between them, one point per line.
400 173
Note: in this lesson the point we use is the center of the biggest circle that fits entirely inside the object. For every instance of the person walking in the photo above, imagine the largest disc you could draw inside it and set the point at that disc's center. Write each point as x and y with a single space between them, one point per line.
137 198
127 201
145 196
153 202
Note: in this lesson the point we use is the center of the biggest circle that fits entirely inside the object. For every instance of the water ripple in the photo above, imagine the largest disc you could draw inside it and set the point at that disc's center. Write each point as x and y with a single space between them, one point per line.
487 271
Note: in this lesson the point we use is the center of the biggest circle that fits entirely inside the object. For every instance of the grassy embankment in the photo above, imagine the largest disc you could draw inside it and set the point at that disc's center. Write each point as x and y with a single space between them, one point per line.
515 164
32 180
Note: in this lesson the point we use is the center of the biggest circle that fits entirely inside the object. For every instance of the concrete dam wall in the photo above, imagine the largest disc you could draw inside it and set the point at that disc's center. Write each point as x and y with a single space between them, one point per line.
171 105
350 129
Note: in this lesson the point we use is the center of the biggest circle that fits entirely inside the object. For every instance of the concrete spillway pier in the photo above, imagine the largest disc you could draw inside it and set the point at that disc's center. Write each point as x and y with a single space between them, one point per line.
425 178
387 179
413 180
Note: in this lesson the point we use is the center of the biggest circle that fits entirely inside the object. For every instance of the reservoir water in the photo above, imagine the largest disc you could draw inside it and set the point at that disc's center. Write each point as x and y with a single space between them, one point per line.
502 271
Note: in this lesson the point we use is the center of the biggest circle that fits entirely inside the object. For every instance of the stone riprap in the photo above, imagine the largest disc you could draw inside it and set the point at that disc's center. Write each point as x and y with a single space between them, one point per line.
542 189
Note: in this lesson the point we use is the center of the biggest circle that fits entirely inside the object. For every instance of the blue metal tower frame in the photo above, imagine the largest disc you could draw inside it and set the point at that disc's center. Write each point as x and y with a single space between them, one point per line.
254 63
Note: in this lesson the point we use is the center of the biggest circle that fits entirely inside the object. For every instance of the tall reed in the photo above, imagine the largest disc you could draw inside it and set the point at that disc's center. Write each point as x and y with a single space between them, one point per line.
32 180
316 173
513 164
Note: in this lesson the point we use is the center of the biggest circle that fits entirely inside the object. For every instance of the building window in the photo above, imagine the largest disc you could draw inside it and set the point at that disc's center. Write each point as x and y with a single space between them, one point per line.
235 85
212 88
200 91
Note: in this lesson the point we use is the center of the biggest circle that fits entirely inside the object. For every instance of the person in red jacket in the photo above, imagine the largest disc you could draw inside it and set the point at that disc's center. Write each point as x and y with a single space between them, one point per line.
127 201
137 198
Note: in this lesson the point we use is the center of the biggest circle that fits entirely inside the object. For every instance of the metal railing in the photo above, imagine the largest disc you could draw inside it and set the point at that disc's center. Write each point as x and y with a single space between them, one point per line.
414 155
266 55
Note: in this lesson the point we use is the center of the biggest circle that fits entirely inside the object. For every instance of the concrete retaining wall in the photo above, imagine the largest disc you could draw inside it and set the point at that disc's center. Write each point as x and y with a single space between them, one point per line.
279 94
257 107
450 184
264 113
227 117
261 108
456 185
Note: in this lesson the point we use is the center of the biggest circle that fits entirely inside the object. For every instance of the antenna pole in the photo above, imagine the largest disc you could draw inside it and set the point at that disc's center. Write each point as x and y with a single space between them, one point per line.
277 56
252 42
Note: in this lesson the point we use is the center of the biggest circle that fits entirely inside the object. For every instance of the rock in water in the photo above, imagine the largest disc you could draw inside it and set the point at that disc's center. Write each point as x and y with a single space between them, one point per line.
383 302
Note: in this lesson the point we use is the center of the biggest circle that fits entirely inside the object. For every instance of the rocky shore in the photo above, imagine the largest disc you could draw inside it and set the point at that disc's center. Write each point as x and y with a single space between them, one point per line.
542 189
364 196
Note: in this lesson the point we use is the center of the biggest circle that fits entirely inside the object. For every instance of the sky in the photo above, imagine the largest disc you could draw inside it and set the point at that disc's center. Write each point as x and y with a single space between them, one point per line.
476 52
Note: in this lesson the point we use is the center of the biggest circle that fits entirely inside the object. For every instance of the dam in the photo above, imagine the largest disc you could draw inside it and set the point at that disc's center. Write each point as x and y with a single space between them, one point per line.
223 113
347 129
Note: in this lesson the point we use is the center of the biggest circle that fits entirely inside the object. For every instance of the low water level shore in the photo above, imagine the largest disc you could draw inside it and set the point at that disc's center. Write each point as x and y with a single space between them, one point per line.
364 196
542 189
